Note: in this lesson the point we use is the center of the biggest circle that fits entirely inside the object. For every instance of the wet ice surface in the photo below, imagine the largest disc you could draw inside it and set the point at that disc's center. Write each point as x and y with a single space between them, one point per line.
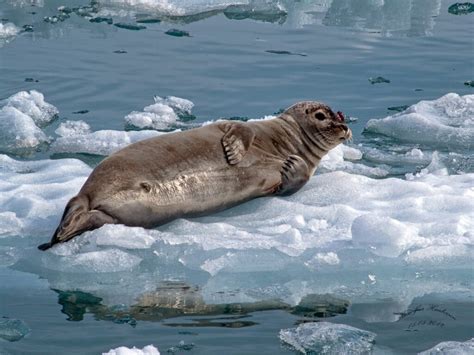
366 227
451 348
328 338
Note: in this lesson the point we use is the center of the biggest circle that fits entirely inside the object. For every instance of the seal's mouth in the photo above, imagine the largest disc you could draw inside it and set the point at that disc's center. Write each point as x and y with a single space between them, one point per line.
347 131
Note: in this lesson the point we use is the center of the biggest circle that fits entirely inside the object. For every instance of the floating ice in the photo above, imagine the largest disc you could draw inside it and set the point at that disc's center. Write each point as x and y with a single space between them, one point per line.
123 350
76 139
18 131
32 104
451 348
447 122
73 128
179 105
461 8
163 115
13 329
21 117
328 338
8 30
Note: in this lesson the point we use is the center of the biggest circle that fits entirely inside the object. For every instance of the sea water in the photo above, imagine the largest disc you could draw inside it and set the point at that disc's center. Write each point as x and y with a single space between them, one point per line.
381 237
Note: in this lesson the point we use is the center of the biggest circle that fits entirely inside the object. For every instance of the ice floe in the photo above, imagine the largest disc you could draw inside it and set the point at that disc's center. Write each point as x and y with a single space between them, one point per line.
21 117
123 350
76 137
445 123
451 348
328 338
164 115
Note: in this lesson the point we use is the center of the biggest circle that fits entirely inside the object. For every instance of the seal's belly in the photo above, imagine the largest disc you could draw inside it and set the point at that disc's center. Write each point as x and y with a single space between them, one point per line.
189 193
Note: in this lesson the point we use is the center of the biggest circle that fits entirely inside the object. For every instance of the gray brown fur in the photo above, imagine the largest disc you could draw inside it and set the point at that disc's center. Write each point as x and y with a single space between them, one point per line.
202 170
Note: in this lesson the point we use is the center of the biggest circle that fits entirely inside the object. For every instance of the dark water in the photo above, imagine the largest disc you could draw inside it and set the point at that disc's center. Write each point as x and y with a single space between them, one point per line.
232 65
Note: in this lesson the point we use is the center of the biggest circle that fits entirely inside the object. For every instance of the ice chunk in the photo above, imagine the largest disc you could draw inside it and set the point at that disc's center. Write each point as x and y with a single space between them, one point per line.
378 80
177 33
461 8
383 235
179 105
73 128
32 104
105 142
18 131
123 350
328 338
334 160
451 348
8 30
447 122
20 118
165 114
13 329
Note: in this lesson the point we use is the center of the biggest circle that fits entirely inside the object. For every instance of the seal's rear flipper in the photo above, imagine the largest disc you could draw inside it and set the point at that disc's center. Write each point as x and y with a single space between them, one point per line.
236 141
77 218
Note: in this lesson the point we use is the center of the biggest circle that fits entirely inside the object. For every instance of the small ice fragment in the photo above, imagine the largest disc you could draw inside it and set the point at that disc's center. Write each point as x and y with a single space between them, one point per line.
469 83
451 348
147 350
378 80
351 153
328 338
177 33
285 52
463 8
8 30
372 279
13 329
28 28
129 26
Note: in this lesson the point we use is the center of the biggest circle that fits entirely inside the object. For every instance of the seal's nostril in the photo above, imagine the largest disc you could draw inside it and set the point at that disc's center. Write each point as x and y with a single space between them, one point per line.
340 116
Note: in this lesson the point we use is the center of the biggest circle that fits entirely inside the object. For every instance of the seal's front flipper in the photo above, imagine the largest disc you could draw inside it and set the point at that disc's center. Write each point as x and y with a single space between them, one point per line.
236 141
294 174
77 218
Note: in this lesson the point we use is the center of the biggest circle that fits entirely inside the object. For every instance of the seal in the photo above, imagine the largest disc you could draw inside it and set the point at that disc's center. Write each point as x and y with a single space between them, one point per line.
203 170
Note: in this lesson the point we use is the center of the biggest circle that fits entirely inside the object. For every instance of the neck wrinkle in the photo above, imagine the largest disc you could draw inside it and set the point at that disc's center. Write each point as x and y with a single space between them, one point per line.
309 149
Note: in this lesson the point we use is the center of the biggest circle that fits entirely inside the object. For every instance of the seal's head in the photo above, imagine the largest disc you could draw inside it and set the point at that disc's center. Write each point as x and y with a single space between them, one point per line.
320 123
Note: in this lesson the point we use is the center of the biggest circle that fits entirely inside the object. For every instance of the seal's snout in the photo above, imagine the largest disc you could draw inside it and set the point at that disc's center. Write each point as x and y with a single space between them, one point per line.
340 116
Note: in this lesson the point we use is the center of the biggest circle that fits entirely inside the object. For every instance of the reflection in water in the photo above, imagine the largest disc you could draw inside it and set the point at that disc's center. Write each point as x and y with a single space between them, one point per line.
387 17
175 299
390 17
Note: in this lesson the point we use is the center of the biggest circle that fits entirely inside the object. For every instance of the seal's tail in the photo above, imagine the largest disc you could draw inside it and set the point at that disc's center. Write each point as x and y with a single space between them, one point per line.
77 218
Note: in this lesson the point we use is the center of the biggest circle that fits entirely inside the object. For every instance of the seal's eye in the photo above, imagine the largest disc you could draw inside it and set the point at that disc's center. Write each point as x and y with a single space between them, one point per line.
320 116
